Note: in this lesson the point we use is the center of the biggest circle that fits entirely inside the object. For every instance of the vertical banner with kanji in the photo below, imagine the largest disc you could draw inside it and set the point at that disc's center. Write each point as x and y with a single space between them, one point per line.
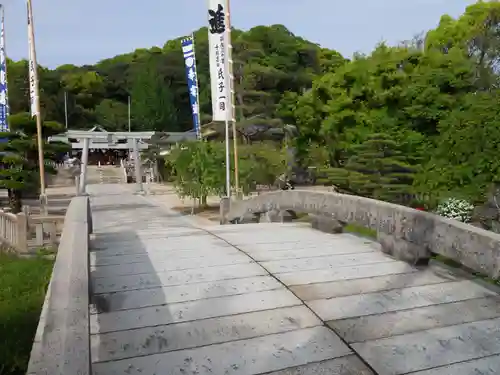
32 65
192 81
4 97
218 42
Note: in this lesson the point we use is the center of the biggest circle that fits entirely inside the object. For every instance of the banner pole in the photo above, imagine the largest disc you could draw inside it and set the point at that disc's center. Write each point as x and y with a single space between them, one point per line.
35 97
233 106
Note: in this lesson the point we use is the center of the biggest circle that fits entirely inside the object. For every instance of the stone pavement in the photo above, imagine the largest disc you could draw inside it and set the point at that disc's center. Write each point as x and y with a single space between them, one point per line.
171 297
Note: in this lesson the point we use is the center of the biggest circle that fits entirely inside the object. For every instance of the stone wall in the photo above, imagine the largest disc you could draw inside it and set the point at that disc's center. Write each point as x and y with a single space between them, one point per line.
403 232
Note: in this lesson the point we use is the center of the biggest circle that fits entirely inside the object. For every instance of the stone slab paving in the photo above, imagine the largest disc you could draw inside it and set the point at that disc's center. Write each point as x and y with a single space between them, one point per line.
171 297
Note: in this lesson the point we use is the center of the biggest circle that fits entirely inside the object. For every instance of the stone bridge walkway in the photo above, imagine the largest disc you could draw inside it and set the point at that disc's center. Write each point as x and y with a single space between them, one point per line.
171 298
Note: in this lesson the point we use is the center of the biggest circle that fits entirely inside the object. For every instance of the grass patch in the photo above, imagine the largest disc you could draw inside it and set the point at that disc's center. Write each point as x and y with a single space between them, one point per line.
46 251
23 283
303 218
349 228
197 210
361 231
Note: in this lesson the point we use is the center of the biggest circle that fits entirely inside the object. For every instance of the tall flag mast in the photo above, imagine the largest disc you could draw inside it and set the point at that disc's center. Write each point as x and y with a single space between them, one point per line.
35 100
192 81
220 80
233 107
4 97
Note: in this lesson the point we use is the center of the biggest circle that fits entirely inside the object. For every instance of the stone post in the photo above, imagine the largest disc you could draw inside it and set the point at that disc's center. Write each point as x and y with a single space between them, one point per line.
225 205
404 250
326 224
83 166
137 166
22 232
90 223
77 185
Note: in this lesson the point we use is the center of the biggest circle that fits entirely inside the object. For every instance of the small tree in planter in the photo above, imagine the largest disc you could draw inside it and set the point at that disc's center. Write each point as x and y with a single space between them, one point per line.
19 172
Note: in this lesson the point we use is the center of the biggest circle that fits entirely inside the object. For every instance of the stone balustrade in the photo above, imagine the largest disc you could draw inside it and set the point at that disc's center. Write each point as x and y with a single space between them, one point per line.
13 231
44 231
62 342
22 232
403 232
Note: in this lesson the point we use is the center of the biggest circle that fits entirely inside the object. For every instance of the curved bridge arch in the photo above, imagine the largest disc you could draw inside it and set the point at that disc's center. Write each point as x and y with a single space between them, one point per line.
403 232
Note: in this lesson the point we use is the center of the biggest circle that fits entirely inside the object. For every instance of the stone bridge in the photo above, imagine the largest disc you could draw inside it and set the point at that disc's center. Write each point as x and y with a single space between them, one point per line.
139 289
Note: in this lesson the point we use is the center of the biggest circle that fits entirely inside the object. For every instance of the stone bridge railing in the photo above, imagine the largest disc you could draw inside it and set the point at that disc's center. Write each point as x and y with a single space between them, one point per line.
23 233
403 232
13 230
62 342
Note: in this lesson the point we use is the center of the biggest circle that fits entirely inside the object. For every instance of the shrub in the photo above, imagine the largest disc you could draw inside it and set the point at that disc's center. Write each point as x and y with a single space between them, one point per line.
456 209
199 168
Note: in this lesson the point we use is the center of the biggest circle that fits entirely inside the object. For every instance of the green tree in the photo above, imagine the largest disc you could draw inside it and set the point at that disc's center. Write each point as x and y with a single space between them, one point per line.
152 99
19 173
260 163
198 168
112 115
477 34
87 86
378 169
463 161
268 61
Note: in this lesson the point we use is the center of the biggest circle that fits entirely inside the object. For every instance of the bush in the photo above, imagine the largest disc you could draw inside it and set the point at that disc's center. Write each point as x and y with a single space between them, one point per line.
260 164
456 209
199 168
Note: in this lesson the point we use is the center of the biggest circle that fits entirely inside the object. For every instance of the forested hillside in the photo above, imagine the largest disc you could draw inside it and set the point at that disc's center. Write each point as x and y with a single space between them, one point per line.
423 117
419 120
267 61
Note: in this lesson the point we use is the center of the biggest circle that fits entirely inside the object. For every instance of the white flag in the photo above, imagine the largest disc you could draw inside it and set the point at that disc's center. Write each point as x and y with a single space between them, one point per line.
218 44
32 65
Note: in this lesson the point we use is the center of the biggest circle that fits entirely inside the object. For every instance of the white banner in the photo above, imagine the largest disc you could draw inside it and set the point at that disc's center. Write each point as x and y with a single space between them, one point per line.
4 97
32 64
218 44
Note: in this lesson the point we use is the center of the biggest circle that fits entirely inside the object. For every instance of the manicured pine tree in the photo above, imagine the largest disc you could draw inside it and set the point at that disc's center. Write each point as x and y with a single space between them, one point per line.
19 169
377 168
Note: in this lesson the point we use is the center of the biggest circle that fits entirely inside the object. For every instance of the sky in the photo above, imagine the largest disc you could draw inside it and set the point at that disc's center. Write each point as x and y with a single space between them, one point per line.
85 31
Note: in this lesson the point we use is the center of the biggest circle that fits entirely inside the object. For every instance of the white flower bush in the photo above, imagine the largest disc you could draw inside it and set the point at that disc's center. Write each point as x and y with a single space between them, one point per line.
456 209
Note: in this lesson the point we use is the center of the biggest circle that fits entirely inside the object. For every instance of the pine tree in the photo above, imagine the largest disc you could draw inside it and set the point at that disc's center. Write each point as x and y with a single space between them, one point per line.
377 168
19 168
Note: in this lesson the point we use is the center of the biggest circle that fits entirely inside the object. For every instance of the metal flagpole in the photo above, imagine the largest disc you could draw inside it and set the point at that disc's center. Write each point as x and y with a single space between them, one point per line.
130 151
233 107
228 117
66 108
228 157
129 115
35 97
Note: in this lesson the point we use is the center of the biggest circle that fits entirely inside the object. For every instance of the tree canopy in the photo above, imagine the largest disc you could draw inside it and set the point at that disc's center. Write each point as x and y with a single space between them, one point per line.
268 61
435 98
19 172
417 120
